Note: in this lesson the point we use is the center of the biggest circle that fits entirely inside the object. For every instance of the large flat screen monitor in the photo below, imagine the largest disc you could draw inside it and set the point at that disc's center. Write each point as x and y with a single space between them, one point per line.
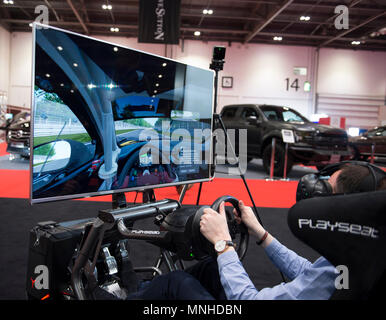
110 119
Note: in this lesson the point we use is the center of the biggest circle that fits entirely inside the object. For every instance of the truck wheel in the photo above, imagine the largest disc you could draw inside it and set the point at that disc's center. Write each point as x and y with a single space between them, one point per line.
279 160
355 155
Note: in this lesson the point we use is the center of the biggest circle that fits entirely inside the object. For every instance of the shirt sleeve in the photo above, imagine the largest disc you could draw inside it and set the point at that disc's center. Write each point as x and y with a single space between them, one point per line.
312 281
286 260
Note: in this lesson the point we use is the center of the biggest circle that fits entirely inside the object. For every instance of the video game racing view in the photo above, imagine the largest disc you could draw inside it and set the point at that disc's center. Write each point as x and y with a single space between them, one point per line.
108 118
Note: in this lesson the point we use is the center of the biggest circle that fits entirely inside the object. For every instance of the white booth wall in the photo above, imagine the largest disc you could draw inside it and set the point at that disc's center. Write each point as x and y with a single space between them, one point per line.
357 78
5 49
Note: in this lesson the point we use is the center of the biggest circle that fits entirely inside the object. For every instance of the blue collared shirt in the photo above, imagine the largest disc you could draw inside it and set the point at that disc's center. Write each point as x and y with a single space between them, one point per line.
308 281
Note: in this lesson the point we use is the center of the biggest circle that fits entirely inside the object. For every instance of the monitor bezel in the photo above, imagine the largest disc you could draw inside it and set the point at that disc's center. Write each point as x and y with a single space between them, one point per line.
106 192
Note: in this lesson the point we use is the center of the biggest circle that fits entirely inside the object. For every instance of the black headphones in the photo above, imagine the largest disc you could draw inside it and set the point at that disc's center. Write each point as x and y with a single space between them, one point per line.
316 184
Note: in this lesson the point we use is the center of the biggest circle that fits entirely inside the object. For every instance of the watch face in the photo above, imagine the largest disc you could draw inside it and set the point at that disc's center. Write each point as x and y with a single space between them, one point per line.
220 245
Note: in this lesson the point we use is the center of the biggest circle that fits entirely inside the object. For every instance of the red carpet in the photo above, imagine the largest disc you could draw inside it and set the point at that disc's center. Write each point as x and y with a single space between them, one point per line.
274 194
3 147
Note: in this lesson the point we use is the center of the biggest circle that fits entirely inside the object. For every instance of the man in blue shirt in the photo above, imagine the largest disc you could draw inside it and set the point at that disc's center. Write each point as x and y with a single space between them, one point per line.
226 278
307 280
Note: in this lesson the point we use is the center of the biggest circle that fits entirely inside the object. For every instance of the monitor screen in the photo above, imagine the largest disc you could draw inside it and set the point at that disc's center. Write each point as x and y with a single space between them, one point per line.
111 119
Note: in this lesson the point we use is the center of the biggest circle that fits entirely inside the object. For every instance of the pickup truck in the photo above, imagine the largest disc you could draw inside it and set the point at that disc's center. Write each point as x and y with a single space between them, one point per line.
315 144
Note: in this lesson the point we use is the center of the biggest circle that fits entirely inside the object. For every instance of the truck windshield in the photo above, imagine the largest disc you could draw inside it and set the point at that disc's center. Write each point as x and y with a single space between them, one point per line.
282 114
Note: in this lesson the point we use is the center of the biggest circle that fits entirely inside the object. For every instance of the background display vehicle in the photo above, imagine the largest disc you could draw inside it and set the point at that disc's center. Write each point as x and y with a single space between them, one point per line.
18 134
363 144
315 144
109 119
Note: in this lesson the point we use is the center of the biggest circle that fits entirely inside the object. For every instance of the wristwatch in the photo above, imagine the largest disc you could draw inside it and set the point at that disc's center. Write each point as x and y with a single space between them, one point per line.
221 245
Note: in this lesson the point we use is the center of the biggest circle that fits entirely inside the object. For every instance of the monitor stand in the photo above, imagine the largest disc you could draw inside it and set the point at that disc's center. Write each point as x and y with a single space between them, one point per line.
148 196
119 199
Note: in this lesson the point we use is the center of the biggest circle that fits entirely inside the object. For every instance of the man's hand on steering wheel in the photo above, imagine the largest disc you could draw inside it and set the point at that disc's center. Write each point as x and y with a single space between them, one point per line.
214 225
249 218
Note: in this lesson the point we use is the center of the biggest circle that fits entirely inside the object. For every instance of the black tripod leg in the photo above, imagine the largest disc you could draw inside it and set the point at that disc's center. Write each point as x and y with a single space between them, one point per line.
240 173
199 194
244 180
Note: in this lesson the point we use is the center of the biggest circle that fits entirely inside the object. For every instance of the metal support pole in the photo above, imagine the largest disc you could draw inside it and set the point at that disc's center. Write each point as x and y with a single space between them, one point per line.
285 162
182 195
272 158
372 153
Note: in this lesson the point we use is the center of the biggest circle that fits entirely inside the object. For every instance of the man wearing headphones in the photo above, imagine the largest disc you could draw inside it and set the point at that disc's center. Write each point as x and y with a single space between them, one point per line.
226 278
311 281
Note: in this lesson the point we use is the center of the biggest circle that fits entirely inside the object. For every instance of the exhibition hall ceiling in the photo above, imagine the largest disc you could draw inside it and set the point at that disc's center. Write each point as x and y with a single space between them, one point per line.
361 24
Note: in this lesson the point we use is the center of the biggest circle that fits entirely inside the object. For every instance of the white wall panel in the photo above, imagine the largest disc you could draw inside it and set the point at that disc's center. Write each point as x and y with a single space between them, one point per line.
348 81
20 69
5 49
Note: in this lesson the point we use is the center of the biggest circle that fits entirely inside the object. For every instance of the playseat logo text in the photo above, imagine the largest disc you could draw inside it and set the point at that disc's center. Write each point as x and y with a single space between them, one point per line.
339 226
145 232
42 279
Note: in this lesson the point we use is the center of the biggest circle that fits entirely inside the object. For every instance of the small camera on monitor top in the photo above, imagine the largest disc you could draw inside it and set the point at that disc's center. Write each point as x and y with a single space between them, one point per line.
218 53
218 58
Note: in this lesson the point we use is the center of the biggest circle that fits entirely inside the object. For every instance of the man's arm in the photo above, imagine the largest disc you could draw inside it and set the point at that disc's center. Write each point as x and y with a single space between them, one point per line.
284 259
310 281
317 282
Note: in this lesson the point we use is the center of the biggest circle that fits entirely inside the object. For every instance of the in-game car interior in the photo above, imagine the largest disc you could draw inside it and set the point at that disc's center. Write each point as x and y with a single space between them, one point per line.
97 130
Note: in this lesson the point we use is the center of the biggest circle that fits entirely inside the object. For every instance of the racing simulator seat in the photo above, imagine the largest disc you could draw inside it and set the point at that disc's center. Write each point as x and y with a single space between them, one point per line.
348 230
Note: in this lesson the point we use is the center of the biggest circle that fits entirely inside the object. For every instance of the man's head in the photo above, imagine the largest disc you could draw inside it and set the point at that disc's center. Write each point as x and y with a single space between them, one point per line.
351 178
341 178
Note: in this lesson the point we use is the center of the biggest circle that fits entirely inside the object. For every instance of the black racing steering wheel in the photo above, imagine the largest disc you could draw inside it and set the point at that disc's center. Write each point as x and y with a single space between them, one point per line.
202 248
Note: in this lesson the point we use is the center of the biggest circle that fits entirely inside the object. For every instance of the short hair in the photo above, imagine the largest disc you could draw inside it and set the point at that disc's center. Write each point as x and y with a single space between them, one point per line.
382 184
350 178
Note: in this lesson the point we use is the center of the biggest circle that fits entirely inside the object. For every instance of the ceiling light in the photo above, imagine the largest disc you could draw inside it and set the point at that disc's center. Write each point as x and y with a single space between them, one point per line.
207 11
59 48
197 33
72 91
62 84
115 49
304 18
75 64
160 76
8 1
155 91
48 75
157 84
210 11
355 43
91 86
164 64
107 7
277 38
31 24
112 29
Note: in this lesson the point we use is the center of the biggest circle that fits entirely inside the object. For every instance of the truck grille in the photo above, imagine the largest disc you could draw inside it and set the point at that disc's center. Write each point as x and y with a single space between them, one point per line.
18 135
326 141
